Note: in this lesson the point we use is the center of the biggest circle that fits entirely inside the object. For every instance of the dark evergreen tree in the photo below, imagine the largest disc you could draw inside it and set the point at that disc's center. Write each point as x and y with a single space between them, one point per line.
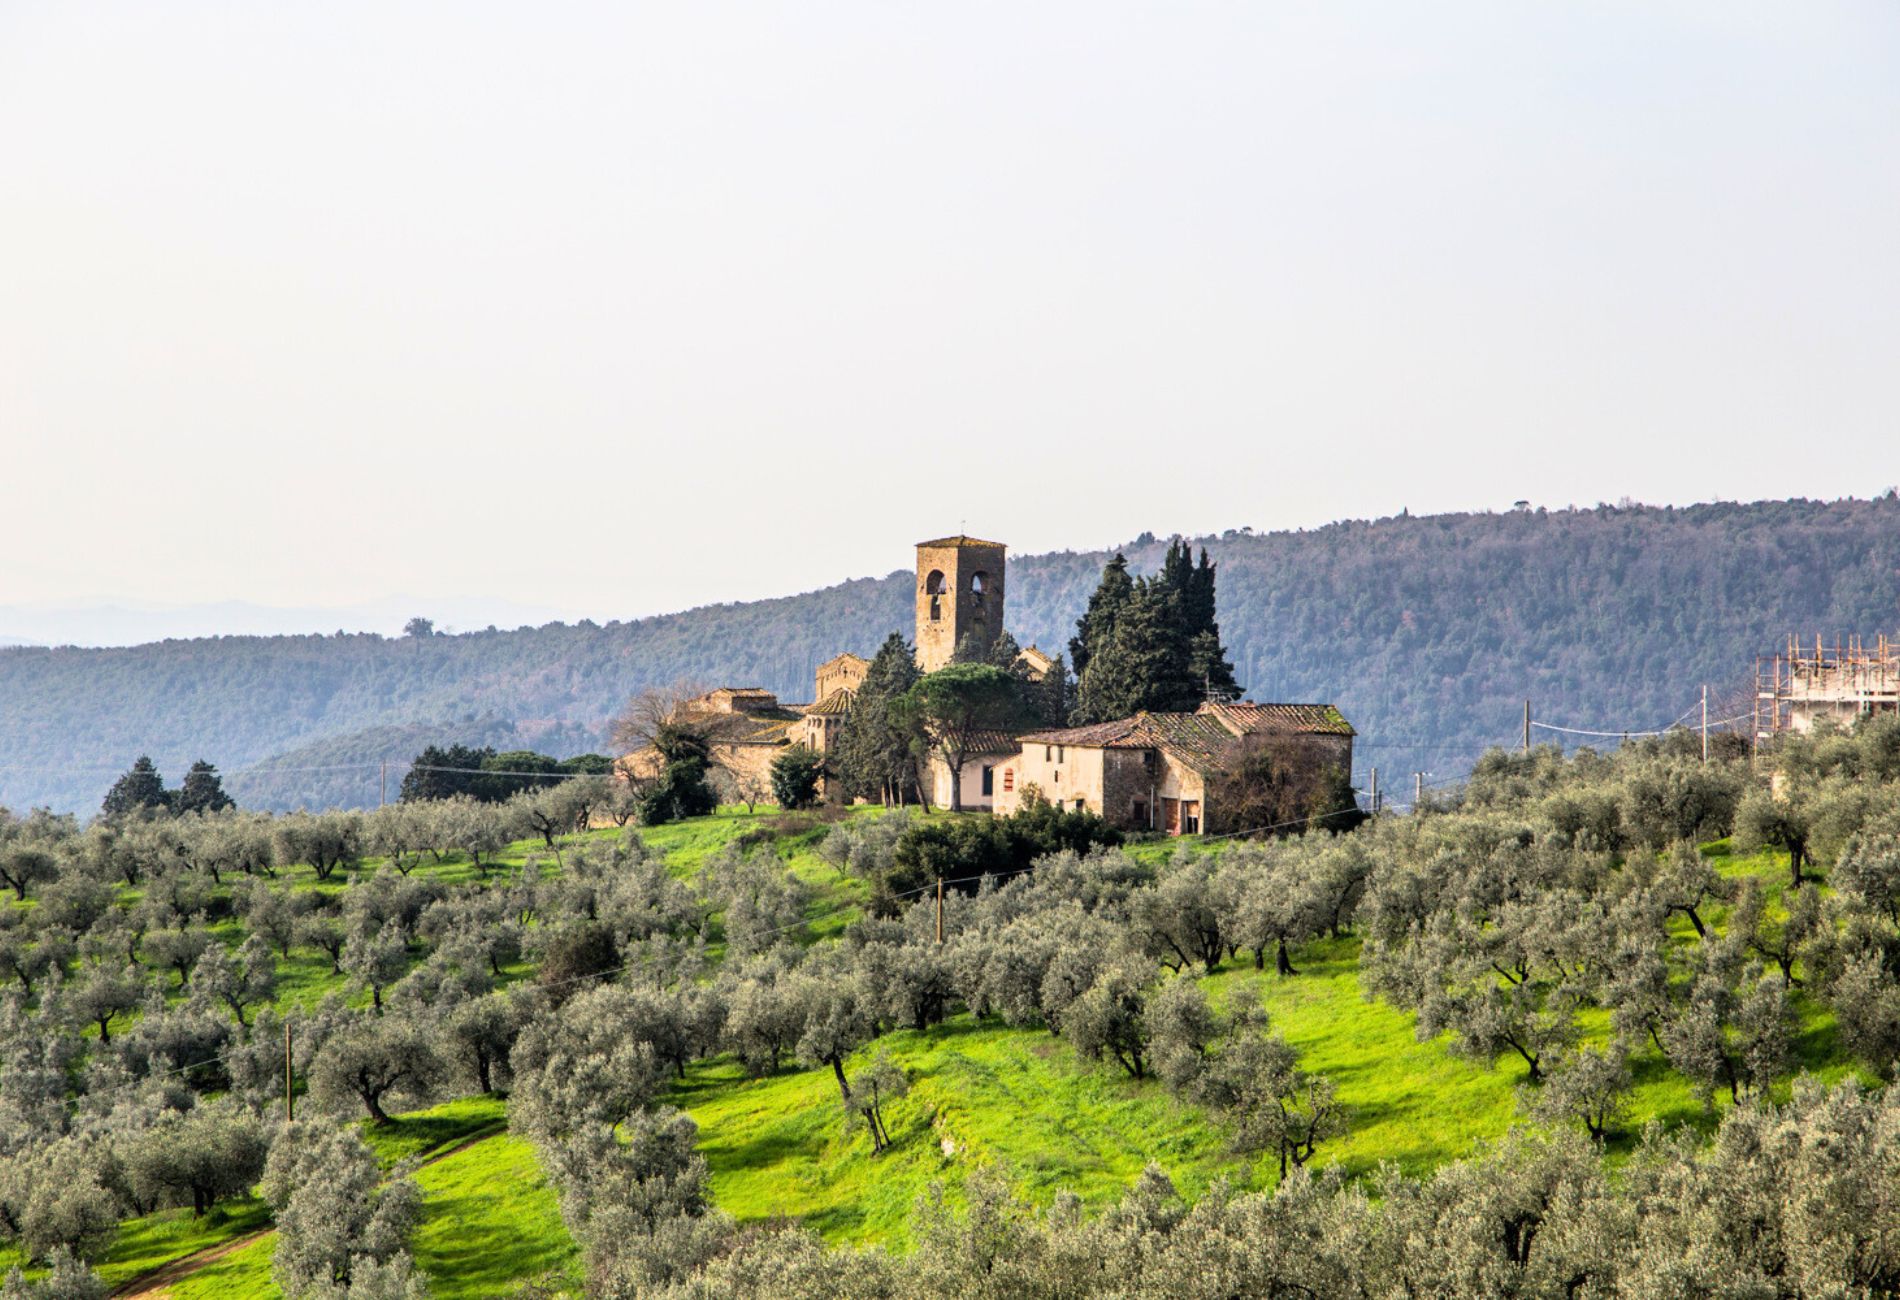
1006 654
515 770
202 791
1052 699
682 790
139 789
795 776
1207 658
1144 663
441 772
1111 596
974 648
877 748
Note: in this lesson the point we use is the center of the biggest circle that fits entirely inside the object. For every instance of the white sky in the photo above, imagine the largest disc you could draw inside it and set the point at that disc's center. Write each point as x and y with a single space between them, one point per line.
615 308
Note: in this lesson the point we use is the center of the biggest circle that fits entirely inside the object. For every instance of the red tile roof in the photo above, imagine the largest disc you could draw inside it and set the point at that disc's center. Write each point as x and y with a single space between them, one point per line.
836 703
1201 739
1247 718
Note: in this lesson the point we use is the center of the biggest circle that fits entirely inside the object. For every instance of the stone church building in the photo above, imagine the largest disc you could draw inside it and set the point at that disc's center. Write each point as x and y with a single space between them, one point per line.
1149 772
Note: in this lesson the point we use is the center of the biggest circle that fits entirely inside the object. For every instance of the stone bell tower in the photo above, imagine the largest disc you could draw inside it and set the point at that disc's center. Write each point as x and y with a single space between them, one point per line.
959 591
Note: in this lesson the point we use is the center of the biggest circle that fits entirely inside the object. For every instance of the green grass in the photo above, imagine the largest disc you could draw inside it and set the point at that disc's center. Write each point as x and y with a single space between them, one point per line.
155 1240
490 1222
777 1147
1023 1100
1020 1100
240 1275
424 1133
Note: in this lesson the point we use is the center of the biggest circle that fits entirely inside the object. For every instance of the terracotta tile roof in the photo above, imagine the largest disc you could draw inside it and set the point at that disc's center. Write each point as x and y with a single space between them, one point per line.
1201 739
1246 718
1197 739
841 658
1099 735
835 704
961 540
993 742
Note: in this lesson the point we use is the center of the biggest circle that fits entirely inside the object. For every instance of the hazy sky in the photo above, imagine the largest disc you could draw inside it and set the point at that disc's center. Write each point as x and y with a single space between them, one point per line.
617 308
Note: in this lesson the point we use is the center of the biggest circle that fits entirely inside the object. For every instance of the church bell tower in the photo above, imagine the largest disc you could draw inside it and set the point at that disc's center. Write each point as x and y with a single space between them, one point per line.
959 592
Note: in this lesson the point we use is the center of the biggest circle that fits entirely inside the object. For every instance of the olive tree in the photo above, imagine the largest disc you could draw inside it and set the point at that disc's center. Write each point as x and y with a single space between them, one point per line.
198 1158
339 1221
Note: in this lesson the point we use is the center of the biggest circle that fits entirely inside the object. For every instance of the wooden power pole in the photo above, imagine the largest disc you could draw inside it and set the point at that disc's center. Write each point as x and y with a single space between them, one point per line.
1527 726
1705 724
289 1112
940 910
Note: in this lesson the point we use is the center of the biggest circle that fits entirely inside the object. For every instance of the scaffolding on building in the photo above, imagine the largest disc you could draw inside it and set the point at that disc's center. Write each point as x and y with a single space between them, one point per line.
1798 687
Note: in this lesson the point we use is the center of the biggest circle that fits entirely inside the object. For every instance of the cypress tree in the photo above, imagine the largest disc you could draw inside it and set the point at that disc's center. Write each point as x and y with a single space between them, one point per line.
1145 662
1210 665
875 758
1193 588
1052 700
1111 596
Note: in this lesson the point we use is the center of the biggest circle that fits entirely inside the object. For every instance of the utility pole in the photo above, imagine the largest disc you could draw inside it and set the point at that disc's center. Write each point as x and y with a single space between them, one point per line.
1527 726
1418 792
1375 792
382 788
1705 724
289 1114
939 910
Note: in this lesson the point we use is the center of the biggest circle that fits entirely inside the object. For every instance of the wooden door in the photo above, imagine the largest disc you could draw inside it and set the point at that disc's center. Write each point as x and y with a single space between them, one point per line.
1171 816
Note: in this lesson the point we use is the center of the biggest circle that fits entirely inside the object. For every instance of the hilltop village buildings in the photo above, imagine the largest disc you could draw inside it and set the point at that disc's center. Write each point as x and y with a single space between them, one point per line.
1152 771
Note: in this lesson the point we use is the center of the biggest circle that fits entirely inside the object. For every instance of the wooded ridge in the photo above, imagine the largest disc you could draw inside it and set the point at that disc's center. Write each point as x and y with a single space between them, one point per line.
1428 632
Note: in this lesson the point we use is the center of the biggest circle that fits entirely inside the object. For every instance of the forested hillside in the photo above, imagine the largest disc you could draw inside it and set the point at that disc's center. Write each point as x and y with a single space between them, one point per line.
1428 632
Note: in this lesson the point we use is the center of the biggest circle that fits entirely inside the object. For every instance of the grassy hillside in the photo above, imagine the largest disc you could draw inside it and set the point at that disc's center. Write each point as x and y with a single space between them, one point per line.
1429 632
982 1095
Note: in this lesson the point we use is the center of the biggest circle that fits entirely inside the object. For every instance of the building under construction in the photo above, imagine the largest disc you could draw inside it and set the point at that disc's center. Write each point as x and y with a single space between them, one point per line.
1797 688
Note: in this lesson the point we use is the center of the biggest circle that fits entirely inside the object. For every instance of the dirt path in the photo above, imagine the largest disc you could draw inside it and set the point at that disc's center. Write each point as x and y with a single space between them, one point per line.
156 1284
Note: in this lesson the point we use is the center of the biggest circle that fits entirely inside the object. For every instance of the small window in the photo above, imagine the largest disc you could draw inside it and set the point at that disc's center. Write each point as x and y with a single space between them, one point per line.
989 780
1055 778
1009 779
1059 754
1046 751
1141 814
1081 805
979 584
933 587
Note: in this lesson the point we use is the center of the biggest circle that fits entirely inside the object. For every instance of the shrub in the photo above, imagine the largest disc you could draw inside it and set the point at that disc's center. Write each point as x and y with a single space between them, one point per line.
795 776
